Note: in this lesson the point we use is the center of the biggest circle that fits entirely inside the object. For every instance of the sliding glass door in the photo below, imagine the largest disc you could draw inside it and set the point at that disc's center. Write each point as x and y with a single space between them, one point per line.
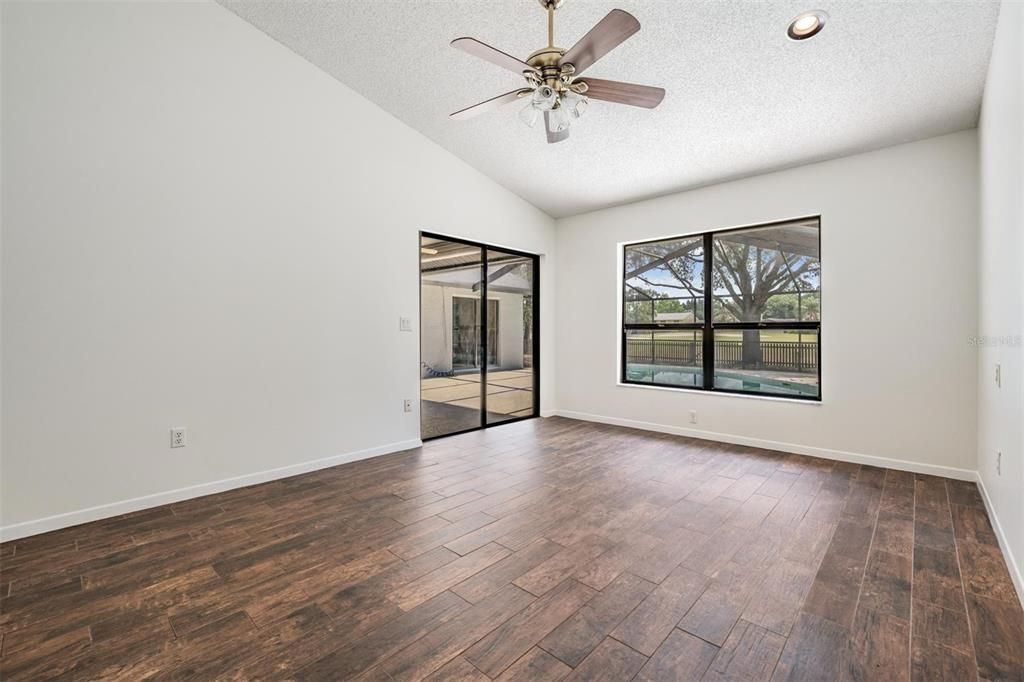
478 336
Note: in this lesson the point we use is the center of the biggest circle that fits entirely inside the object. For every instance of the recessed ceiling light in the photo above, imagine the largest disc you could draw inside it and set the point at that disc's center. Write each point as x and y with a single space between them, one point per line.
806 25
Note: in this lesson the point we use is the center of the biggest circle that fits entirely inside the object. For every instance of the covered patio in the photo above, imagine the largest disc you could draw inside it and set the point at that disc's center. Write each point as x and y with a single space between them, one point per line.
453 403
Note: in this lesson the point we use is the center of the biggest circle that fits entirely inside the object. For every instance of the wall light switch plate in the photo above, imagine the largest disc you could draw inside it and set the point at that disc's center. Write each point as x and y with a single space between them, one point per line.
999 376
405 324
407 405
179 437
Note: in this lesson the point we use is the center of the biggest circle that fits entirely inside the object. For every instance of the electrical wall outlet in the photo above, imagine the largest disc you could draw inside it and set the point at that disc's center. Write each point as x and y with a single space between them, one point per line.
693 416
405 324
407 405
999 376
999 464
179 437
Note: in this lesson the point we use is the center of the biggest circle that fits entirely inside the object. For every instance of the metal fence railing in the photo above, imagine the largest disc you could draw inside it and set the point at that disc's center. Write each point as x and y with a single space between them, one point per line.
780 355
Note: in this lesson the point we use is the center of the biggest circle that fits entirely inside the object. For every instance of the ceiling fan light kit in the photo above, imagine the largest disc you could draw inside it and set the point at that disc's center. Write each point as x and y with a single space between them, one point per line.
555 88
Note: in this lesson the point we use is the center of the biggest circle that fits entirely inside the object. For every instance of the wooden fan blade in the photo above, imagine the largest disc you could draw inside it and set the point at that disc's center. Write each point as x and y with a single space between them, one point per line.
554 137
488 104
624 93
493 55
608 34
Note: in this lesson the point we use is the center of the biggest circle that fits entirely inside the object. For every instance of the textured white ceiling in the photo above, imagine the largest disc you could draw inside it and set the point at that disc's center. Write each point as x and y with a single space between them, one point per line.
742 98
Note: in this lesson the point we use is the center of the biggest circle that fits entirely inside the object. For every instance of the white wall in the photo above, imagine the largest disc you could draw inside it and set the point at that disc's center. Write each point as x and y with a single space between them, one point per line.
436 327
201 229
1001 299
510 329
898 378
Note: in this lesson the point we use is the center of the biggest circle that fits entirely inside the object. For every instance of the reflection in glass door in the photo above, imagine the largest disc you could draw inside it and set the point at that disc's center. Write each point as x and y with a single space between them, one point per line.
466 322
467 346
492 332
465 332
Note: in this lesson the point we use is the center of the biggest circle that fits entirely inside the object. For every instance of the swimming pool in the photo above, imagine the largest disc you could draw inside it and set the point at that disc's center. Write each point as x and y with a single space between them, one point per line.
724 379
660 374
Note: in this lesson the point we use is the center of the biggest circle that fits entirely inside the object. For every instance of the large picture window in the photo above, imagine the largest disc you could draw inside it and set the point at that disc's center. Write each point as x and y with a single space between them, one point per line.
735 311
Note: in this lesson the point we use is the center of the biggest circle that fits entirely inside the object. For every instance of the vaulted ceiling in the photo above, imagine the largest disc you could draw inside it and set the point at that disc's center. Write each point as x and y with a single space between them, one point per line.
742 98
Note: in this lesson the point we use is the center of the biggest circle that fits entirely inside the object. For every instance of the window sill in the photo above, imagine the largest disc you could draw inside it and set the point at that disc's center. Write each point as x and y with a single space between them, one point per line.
722 394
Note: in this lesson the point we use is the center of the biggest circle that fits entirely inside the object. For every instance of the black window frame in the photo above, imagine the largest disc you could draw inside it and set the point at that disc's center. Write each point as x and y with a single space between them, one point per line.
708 326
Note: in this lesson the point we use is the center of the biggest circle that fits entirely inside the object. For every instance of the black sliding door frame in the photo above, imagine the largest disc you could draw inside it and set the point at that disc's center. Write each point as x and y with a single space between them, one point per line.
483 329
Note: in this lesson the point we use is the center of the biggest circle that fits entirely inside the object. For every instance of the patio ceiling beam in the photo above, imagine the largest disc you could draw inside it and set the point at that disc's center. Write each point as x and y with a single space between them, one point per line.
499 272
658 262
786 241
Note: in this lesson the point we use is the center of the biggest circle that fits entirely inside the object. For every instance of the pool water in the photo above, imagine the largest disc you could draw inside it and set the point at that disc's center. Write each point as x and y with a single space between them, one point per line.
727 380
658 374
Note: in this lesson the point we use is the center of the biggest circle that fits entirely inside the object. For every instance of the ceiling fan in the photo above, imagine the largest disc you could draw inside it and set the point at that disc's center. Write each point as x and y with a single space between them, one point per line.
556 88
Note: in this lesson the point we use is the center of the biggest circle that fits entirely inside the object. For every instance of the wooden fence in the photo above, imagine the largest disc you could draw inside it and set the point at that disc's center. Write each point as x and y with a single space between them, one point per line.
780 355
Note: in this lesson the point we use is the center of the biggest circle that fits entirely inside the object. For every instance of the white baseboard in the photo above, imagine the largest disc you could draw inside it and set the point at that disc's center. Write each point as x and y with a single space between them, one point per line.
105 511
1011 564
824 453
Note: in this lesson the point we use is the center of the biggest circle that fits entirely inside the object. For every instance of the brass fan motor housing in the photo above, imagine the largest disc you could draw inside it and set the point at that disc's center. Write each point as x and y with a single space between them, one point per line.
545 60
545 57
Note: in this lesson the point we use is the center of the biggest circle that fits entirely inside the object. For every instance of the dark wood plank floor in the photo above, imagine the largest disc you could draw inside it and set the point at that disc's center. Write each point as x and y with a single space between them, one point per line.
548 549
